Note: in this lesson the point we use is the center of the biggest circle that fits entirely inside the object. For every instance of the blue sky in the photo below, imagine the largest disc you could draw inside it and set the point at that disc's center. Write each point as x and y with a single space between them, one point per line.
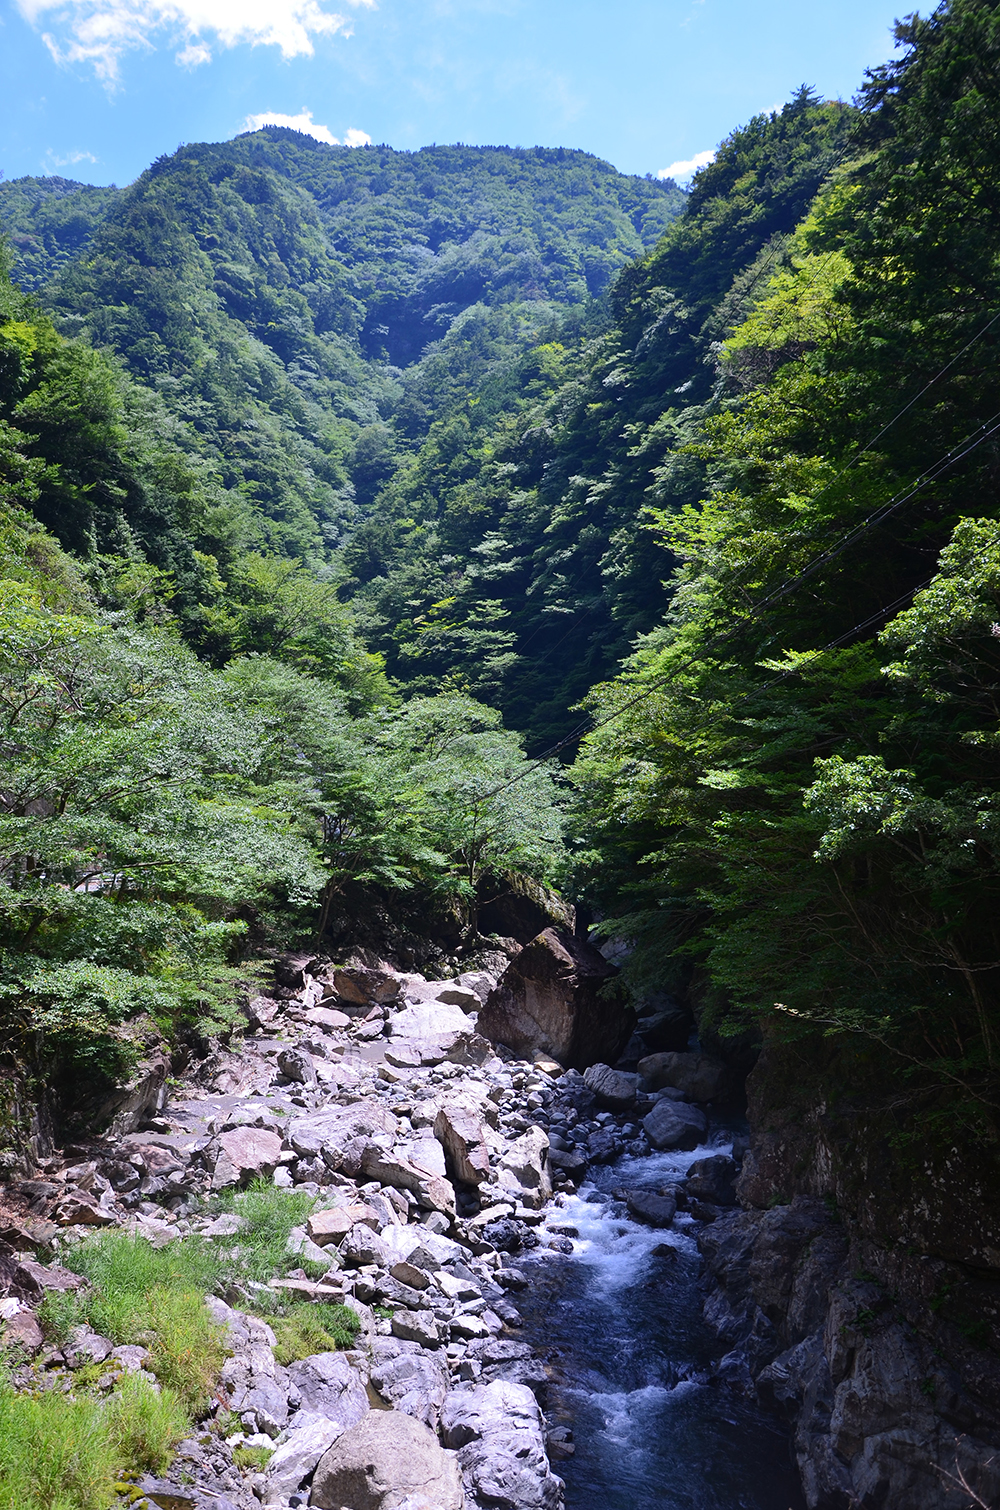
95 89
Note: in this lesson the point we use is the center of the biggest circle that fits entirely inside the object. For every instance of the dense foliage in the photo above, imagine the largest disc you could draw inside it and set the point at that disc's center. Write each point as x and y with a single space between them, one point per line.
739 501
794 783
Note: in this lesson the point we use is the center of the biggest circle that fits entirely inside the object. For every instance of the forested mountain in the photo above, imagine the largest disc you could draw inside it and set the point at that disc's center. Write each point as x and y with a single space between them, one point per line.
366 404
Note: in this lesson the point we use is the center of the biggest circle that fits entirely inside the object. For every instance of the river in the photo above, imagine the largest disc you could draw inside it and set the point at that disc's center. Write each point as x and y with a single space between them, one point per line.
620 1320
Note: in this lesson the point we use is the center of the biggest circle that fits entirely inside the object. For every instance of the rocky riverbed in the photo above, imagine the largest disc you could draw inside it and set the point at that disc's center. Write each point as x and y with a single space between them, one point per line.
551 1274
433 1158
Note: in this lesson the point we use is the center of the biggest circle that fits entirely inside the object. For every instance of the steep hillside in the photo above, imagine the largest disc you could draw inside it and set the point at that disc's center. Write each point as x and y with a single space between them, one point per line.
271 289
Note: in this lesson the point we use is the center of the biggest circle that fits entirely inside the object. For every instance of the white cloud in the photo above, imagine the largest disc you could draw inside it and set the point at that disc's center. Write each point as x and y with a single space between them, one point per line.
193 55
71 158
100 32
687 167
304 122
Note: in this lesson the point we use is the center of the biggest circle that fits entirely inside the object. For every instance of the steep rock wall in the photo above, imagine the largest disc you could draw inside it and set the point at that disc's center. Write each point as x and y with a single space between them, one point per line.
859 1289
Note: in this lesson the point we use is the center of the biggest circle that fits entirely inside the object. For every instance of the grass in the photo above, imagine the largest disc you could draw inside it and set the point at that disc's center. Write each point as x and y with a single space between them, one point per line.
63 1453
306 1329
156 1297
252 1457
70 1451
268 1214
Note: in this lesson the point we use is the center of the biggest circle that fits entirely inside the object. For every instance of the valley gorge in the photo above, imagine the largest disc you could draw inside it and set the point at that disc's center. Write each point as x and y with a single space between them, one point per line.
498 820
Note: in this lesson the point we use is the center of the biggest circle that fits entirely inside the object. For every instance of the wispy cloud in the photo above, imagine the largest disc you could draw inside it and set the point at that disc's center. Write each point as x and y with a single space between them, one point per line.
687 167
100 32
70 160
304 122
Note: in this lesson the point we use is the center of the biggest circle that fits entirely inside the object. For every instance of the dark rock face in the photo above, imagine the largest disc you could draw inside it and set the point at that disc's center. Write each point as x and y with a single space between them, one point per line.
519 908
865 1305
558 996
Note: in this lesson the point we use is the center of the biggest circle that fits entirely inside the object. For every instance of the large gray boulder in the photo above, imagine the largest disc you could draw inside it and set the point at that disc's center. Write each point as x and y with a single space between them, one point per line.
559 996
331 1388
243 1154
674 1124
434 1031
524 1169
297 1453
497 1429
462 1136
614 1089
411 1378
384 1461
696 1075
340 1134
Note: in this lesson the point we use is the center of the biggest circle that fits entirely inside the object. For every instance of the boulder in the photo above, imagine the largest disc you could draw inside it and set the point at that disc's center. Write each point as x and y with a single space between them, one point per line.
411 1378
459 996
497 1430
363 1246
298 1452
297 1065
654 1209
614 1090
329 1387
432 1191
341 1133
328 1018
416 1326
558 997
79 1208
674 1124
252 1382
436 1030
523 1169
245 1154
384 1460
332 1226
463 1139
712 1180
696 1075
360 984
22 1331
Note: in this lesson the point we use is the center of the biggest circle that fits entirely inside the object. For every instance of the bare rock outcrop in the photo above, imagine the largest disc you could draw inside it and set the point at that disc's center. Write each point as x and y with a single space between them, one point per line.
559 996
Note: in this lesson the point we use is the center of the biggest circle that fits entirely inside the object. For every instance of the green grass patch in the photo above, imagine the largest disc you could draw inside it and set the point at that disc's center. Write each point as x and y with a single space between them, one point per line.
63 1453
268 1215
156 1297
256 1458
305 1329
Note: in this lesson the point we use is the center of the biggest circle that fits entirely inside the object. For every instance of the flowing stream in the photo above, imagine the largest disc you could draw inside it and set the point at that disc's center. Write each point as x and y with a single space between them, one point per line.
620 1319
